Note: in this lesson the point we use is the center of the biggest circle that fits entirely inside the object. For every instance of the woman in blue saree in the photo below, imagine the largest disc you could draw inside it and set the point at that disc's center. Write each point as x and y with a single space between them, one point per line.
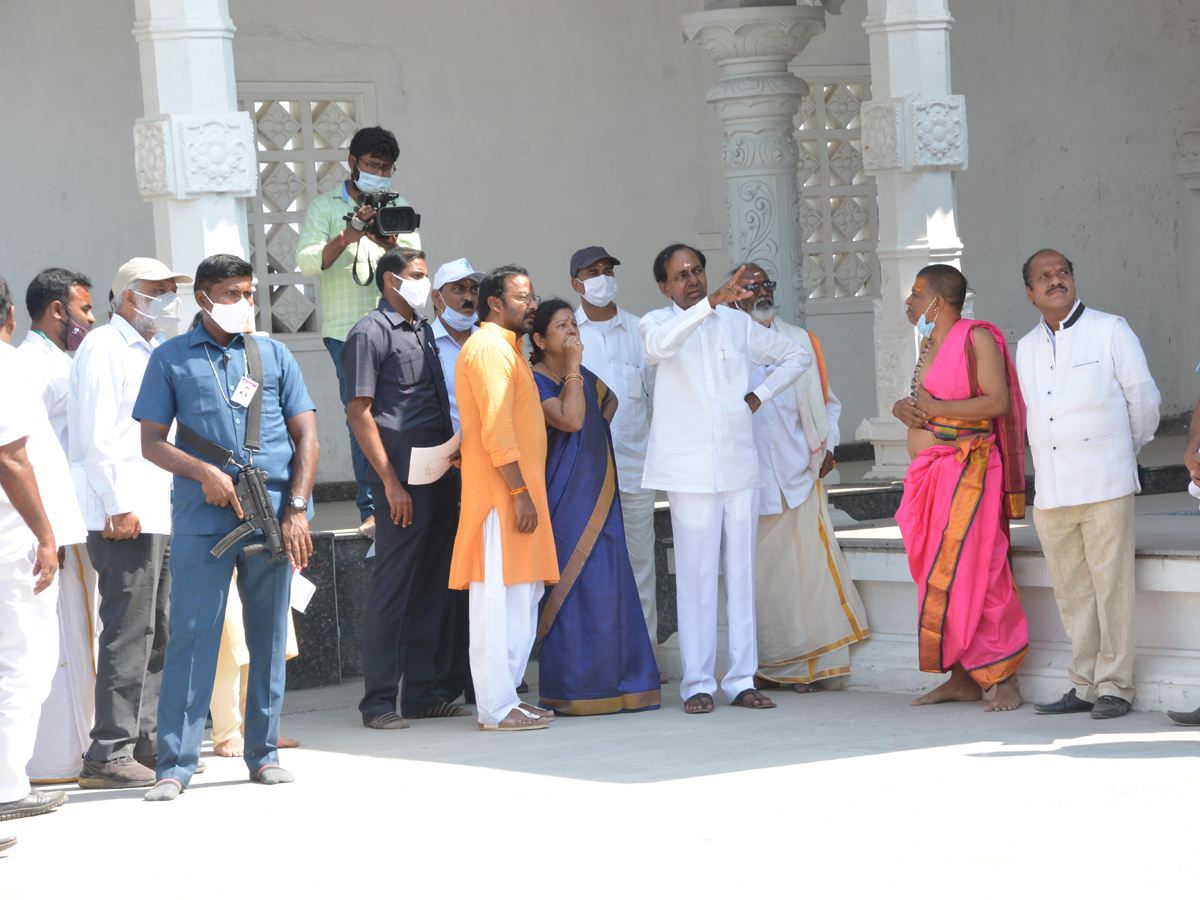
594 655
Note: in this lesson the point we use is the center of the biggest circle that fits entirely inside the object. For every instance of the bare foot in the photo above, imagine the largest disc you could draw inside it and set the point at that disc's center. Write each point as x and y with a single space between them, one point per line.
806 688
1007 696
961 688
286 743
235 746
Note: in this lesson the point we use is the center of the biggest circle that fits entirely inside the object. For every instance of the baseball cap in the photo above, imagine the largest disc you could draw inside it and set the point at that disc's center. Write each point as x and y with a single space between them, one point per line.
456 270
581 259
143 268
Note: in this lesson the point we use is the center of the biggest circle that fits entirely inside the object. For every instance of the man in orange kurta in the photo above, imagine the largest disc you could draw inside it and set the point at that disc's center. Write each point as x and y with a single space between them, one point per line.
504 550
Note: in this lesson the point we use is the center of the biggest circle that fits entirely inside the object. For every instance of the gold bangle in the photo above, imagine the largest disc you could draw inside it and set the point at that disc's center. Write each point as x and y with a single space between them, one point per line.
567 378
522 489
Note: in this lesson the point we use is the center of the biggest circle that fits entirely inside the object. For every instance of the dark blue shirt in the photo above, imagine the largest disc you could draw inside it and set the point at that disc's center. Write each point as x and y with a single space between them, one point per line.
190 378
399 367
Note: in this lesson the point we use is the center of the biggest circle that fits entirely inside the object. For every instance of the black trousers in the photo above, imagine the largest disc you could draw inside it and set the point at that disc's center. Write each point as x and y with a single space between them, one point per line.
405 603
134 580
453 660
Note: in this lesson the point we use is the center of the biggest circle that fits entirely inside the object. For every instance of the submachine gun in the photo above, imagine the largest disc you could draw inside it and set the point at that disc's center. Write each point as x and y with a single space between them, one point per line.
258 513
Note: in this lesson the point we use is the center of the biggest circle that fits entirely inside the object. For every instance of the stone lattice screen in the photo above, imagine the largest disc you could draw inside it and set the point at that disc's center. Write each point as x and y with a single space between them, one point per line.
838 210
302 132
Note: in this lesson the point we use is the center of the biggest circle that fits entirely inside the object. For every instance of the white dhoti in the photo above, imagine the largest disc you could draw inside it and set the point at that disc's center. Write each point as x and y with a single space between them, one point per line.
65 725
707 527
28 656
503 627
637 513
807 608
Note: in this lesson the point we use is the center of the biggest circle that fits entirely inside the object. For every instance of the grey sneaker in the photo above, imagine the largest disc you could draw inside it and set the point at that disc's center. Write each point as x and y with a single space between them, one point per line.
123 772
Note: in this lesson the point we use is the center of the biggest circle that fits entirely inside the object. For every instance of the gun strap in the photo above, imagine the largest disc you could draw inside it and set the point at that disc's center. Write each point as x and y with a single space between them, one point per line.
223 456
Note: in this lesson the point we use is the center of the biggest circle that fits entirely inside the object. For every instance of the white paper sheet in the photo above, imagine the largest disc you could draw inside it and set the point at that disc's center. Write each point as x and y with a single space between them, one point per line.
428 464
302 591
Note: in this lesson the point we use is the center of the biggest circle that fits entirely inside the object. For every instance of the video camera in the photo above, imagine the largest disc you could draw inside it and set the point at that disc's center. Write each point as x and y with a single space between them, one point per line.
388 219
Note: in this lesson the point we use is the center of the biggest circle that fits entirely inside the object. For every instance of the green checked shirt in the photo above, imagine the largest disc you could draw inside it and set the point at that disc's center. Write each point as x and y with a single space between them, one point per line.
343 302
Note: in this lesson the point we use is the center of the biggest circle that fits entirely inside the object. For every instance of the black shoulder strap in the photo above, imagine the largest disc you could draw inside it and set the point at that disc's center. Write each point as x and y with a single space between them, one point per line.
254 413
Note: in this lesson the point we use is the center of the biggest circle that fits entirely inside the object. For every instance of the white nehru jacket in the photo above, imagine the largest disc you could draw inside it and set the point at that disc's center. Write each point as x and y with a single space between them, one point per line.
1091 405
701 437
612 351
110 474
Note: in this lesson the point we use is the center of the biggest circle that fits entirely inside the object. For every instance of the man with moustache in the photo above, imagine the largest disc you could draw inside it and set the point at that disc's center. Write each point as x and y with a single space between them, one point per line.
806 608
398 401
701 452
126 503
965 481
456 298
504 551
1092 406
60 312
612 349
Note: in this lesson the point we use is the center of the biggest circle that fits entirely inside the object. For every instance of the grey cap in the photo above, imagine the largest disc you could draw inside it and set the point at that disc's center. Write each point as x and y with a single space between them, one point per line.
581 259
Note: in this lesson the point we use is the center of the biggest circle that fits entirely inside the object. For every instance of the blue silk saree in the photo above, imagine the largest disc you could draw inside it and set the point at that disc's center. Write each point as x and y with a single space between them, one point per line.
594 654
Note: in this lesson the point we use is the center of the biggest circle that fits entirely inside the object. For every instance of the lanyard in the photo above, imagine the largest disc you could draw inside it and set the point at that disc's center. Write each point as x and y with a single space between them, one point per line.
220 386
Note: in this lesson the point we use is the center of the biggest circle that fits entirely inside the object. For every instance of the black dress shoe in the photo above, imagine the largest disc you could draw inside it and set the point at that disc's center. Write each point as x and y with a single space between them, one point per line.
33 804
1109 707
1067 703
1184 718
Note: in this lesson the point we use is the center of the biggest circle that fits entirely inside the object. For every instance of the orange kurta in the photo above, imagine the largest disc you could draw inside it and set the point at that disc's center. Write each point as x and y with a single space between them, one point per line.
502 422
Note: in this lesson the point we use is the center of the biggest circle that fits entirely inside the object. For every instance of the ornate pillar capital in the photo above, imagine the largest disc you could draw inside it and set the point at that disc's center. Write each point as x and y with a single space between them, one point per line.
181 156
917 133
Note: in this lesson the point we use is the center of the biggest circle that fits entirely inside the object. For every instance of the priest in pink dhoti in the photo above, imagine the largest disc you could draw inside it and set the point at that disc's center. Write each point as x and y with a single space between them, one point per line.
965 419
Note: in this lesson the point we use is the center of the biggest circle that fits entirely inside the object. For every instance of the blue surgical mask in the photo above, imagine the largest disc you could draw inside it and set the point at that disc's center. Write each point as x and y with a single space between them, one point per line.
925 329
456 320
369 184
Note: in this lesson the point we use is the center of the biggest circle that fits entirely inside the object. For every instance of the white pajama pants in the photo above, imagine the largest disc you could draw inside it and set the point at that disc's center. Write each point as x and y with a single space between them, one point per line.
28 658
65 725
503 628
637 512
706 527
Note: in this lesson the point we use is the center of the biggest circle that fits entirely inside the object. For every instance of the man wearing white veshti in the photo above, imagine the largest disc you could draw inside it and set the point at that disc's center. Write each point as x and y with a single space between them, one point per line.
612 350
60 314
701 452
806 607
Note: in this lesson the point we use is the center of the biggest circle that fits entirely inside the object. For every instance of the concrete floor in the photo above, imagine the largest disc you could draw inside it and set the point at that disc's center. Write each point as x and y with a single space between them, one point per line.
850 794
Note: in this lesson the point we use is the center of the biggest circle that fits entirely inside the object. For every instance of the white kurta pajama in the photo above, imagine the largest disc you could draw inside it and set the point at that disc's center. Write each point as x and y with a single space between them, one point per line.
66 718
612 351
701 452
807 609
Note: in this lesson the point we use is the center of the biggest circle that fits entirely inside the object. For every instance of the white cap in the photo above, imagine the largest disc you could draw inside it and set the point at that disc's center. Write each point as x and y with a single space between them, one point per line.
143 268
454 271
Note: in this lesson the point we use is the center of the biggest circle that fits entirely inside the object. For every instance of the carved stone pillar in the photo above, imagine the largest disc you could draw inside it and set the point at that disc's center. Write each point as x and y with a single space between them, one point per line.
193 150
914 137
757 99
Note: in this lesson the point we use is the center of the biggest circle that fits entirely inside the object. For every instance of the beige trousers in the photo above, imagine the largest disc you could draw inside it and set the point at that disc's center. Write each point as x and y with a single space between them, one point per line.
1089 550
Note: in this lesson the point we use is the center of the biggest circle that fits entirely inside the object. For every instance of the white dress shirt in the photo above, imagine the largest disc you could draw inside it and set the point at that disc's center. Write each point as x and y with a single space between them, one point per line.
24 416
448 350
1091 405
45 370
110 474
612 351
783 453
701 436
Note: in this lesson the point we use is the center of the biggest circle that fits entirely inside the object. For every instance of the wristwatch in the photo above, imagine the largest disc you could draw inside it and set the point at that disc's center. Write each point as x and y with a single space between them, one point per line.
297 503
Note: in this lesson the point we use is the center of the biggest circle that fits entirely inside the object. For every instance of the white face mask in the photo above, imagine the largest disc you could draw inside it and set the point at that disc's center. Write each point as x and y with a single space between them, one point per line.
599 291
415 293
164 310
231 318
369 184
456 320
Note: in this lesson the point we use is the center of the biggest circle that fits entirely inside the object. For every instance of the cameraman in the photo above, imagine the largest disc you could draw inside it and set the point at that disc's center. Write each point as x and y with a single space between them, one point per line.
334 251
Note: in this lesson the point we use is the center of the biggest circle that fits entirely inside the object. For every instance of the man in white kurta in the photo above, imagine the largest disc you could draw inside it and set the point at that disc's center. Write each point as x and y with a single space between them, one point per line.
28 587
612 350
807 610
1091 405
701 452
59 304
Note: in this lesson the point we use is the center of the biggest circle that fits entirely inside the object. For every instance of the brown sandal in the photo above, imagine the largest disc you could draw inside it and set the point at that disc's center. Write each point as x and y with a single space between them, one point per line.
704 704
752 699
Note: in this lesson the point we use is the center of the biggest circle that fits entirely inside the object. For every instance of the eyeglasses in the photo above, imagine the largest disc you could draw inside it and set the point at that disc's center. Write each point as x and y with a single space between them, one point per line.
527 299
765 286
376 168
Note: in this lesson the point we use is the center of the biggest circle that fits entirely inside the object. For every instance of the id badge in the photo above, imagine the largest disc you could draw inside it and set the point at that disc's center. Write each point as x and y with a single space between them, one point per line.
245 392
